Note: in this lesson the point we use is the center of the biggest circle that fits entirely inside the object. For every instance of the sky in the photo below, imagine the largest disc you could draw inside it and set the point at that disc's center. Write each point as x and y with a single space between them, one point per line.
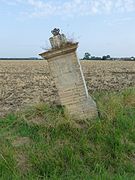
100 26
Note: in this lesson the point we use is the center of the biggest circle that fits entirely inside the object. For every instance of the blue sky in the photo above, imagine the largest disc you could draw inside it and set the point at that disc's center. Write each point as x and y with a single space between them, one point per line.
101 26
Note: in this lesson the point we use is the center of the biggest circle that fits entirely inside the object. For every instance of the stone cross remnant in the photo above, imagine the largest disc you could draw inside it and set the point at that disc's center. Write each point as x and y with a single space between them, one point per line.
66 71
58 39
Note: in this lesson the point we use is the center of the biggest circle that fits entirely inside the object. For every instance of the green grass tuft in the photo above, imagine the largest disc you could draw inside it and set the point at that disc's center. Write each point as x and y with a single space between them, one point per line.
54 146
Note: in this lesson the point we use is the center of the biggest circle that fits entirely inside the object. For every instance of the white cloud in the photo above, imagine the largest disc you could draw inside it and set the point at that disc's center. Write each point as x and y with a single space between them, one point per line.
43 8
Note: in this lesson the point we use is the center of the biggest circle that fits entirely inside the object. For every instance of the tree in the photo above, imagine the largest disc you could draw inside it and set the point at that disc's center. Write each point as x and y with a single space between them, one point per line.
87 56
132 58
108 57
104 57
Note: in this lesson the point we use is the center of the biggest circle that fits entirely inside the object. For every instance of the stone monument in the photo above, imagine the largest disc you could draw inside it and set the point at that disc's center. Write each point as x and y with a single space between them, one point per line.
67 73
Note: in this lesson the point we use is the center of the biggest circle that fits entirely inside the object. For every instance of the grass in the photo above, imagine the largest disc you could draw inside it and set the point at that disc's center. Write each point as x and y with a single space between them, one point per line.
43 143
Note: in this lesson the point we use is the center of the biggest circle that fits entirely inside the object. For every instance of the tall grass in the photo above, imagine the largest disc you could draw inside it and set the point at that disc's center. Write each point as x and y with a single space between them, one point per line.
62 148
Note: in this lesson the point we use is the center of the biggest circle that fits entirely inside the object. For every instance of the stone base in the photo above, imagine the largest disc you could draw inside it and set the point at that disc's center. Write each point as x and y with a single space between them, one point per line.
67 73
85 110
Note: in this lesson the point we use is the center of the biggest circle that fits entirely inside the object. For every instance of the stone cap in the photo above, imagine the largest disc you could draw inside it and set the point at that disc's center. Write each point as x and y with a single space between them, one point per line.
67 48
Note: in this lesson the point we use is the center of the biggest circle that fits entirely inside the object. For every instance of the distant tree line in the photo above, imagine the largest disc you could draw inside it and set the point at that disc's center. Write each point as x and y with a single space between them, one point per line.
31 58
88 56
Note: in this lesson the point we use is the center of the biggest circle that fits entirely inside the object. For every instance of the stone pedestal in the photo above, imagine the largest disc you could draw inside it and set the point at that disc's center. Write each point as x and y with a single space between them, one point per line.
66 71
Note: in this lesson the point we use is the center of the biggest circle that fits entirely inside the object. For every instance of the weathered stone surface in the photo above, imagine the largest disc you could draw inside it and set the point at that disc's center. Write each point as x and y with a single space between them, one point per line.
24 83
66 70
58 39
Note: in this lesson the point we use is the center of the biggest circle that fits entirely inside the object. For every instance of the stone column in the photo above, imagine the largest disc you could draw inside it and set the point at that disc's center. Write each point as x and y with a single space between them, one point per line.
68 76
